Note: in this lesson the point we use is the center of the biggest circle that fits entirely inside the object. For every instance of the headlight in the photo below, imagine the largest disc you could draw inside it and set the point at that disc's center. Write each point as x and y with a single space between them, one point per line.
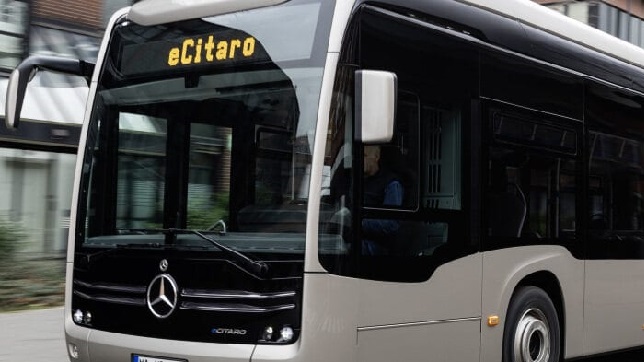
286 334
267 334
270 334
79 316
88 318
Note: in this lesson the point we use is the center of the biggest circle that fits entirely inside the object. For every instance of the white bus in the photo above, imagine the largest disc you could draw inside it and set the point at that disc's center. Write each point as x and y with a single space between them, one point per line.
224 208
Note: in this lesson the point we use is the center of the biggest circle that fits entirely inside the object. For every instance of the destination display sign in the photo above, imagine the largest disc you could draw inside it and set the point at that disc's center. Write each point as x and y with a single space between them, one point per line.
218 48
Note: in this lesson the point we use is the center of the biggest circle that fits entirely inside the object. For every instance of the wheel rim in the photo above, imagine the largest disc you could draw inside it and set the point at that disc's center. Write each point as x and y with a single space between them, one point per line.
532 337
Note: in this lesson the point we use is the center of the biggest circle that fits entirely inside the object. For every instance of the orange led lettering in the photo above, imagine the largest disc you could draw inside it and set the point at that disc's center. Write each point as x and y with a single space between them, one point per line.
249 47
234 45
185 57
198 50
222 50
209 46
173 57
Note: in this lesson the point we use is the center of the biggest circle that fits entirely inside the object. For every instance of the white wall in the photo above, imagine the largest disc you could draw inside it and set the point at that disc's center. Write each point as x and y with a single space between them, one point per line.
35 194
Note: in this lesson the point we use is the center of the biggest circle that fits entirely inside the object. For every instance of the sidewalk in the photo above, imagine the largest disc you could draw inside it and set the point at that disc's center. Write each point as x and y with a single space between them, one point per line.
34 336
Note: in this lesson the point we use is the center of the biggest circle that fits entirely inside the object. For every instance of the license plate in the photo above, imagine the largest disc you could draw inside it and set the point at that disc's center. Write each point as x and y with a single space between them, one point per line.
141 358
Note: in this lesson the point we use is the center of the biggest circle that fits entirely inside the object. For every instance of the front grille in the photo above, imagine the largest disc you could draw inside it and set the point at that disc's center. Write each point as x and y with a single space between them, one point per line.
191 299
237 301
211 295
110 293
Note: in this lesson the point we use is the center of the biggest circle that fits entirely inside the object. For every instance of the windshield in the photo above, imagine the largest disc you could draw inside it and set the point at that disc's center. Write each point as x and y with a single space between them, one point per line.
206 125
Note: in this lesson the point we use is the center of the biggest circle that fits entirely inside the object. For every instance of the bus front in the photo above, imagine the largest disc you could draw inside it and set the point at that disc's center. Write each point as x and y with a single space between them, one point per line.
193 185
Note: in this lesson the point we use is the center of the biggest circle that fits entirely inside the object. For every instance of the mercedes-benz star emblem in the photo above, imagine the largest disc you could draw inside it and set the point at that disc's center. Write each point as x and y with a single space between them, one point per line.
162 295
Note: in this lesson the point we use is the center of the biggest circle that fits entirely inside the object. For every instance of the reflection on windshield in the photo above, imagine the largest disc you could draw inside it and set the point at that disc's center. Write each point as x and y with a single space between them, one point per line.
278 36
180 141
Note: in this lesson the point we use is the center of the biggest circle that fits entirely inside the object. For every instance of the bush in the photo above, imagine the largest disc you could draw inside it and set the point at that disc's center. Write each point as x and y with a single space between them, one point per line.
9 239
28 284
201 217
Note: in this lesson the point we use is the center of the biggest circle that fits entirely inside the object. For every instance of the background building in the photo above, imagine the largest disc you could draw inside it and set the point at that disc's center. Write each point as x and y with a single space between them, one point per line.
37 161
620 18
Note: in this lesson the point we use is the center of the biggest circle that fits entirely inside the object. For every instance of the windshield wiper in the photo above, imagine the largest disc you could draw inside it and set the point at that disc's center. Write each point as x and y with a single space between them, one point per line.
257 268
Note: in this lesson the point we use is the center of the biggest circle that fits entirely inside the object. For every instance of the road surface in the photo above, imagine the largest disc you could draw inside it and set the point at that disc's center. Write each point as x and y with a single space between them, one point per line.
34 336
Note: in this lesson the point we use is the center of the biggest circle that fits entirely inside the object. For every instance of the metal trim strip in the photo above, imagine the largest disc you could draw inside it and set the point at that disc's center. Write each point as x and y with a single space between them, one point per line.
235 308
125 301
231 294
414 324
111 287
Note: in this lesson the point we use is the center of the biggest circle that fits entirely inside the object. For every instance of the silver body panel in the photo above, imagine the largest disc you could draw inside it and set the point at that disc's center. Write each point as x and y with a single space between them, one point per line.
614 305
410 322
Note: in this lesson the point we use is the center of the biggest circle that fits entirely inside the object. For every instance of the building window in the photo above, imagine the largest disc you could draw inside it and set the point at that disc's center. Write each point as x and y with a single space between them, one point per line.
624 25
610 19
13 33
594 15
636 24
578 11
612 16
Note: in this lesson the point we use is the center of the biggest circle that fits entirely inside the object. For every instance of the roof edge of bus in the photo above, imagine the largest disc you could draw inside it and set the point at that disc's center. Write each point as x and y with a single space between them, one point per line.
532 14
153 12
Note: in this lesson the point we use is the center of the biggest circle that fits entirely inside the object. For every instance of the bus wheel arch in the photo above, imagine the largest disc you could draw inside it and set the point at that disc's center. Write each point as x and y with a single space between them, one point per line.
534 322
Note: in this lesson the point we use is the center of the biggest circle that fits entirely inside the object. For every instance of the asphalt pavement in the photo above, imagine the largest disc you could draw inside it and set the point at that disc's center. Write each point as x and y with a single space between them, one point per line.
37 336
33 336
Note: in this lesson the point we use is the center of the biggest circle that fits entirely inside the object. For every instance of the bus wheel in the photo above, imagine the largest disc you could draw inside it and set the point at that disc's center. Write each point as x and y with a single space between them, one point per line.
531 332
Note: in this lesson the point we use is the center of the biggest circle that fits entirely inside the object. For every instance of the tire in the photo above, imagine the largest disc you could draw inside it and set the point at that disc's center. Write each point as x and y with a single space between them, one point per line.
532 331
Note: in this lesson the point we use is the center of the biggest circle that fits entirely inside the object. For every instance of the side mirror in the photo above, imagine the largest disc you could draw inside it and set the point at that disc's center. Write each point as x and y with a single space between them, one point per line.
26 71
376 93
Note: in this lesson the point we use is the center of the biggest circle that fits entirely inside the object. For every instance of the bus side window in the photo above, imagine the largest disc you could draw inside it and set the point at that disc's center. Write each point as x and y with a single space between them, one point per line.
531 179
441 193
390 186
507 203
442 159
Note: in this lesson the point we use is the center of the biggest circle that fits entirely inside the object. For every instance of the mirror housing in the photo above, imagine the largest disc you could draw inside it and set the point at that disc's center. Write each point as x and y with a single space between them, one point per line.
375 105
25 72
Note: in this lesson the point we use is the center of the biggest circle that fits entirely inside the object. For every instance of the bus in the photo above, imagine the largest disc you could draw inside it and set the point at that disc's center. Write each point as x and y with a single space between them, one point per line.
220 208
